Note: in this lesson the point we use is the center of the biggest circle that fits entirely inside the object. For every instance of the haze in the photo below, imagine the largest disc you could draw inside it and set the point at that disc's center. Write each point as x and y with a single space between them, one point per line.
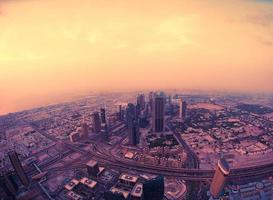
52 48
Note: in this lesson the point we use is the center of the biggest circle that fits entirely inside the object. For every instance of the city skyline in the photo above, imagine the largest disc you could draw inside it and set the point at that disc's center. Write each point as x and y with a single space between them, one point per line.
51 50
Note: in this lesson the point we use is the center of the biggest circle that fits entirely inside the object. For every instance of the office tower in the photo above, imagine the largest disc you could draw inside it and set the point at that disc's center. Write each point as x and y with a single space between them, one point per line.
130 112
96 122
170 99
133 130
158 112
182 109
141 101
92 168
9 185
143 121
84 131
14 159
105 132
154 189
121 113
219 178
103 115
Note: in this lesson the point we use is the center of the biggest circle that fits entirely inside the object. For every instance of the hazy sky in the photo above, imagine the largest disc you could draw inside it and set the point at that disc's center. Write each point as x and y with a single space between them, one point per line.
50 48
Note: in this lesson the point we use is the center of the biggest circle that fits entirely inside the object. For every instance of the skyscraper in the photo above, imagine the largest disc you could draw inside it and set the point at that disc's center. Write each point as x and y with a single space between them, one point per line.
133 129
92 168
141 101
105 132
132 124
13 156
103 115
182 109
219 178
158 113
121 113
154 189
84 131
96 122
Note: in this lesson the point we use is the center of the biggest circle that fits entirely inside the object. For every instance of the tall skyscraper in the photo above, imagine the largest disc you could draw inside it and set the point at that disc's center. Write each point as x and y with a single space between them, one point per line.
96 122
154 189
158 113
141 101
133 129
130 112
219 178
84 131
105 132
182 109
103 115
132 124
121 113
14 159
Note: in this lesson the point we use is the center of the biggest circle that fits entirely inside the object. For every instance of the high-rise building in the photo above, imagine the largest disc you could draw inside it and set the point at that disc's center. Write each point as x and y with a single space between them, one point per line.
141 101
14 159
219 178
121 113
103 115
158 113
133 129
84 131
105 132
182 109
9 185
96 122
92 168
130 112
154 189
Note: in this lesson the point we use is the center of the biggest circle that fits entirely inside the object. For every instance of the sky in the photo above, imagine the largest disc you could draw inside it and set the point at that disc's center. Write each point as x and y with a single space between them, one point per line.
50 49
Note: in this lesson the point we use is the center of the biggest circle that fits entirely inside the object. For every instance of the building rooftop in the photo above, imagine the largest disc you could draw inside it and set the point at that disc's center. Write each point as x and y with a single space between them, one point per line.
128 177
69 186
118 190
91 163
137 190
74 196
90 183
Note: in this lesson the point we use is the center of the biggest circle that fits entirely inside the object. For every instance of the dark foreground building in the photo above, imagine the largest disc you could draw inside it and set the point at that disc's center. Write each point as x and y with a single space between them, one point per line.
154 189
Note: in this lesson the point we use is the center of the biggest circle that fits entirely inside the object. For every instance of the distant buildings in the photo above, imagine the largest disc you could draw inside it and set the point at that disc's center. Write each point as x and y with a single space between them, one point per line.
96 122
80 133
219 178
158 113
14 159
154 189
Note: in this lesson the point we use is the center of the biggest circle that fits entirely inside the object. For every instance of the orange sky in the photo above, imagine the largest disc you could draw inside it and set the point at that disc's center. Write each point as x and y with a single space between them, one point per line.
51 48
